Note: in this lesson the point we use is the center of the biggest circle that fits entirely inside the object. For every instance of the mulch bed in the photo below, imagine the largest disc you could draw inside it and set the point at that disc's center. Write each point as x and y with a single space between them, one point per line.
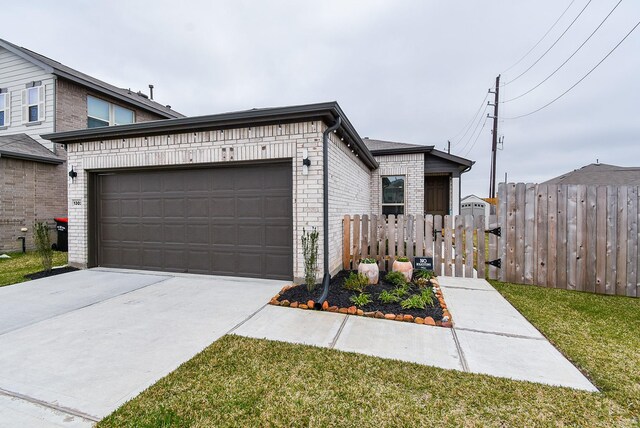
297 296
52 272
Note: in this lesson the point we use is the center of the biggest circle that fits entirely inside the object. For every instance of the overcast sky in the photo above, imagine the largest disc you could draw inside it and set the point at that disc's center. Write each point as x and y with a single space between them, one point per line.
409 71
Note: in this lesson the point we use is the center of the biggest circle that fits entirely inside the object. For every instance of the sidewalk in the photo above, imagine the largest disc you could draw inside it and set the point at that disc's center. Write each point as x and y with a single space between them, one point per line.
489 336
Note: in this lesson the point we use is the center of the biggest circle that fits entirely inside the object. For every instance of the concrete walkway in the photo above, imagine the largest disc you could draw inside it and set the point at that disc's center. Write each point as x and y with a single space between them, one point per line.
499 343
75 347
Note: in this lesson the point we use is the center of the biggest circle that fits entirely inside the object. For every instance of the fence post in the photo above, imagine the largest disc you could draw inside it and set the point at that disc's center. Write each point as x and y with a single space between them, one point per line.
346 244
481 247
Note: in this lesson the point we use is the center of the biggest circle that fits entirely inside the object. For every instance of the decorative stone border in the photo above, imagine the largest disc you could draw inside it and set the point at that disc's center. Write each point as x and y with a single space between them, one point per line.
447 320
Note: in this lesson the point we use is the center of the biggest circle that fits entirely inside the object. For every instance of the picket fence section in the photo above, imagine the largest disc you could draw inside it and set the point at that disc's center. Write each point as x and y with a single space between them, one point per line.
451 241
573 237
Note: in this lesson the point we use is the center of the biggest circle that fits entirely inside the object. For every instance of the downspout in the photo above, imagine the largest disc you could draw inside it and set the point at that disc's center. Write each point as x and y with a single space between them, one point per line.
325 210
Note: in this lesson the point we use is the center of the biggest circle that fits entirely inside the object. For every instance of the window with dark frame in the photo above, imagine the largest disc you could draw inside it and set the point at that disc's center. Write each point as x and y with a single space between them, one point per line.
33 99
3 108
393 194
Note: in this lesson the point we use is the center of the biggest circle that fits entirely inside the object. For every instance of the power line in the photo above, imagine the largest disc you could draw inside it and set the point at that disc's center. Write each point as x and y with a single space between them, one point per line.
541 39
567 60
583 77
550 47
474 129
477 136
468 125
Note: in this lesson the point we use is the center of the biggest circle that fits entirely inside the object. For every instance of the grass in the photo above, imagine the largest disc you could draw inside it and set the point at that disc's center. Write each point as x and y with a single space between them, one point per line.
247 382
13 270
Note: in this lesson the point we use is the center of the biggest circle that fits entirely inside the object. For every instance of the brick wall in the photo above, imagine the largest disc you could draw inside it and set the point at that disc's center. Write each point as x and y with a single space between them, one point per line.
409 165
30 191
265 142
349 193
71 106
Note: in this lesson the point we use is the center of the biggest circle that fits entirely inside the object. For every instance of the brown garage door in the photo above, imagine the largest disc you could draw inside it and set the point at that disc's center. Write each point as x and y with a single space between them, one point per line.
220 220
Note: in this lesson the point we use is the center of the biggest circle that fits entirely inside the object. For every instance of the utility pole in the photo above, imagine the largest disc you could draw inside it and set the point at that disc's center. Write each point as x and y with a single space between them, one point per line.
448 147
494 137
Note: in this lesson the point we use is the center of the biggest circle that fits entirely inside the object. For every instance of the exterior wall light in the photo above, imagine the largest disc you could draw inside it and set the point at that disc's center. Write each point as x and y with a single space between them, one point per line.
306 163
72 174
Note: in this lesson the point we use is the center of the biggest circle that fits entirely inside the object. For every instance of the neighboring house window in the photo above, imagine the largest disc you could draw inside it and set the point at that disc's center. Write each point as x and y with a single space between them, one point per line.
393 195
103 113
4 109
33 104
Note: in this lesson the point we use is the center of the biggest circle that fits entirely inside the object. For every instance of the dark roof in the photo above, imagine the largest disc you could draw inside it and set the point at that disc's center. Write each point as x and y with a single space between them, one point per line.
600 174
327 112
21 146
61 70
382 148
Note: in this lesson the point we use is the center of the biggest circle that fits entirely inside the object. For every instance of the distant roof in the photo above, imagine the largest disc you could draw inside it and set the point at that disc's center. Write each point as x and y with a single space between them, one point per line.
382 148
600 174
54 67
21 146
374 145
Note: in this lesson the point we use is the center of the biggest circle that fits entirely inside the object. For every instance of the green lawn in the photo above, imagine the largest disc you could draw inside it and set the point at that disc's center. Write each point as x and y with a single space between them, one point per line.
14 269
245 382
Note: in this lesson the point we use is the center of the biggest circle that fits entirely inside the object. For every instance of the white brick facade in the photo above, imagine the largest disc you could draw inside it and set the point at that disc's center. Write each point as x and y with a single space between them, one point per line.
409 165
286 141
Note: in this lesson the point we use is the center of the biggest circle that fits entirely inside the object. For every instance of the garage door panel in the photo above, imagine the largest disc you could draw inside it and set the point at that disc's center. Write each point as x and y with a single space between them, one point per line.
249 207
219 220
152 208
198 207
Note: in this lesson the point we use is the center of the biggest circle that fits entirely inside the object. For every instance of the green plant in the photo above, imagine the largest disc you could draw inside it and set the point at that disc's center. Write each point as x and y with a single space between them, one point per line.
414 302
427 296
43 245
361 299
396 278
368 261
387 297
426 274
356 282
403 259
310 253
422 282
401 291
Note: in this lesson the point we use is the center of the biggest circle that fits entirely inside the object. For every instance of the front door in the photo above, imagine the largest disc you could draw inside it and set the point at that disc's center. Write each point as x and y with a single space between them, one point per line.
436 194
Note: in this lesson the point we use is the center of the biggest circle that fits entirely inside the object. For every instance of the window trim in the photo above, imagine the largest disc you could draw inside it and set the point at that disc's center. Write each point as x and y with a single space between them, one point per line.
404 194
112 112
35 89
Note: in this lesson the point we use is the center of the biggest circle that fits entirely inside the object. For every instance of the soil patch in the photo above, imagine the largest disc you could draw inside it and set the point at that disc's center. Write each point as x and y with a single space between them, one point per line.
52 272
339 298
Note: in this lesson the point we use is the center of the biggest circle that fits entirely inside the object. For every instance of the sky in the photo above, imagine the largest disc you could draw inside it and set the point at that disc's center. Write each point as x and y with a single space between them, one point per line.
408 71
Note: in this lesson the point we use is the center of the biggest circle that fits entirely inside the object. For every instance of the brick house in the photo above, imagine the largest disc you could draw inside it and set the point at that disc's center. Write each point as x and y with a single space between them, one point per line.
230 194
39 95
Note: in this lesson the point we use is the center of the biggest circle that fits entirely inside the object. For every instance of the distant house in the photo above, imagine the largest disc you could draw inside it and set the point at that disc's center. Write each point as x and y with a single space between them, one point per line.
600 174
475 206
37 96
429 178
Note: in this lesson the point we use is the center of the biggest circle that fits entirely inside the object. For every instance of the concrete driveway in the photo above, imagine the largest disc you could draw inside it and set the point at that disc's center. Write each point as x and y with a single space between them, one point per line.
74 347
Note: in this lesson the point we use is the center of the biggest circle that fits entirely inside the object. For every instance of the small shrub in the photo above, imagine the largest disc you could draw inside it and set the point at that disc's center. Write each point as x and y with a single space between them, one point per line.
403 259
43 245
427 296
356 282
401 291
396 278
368 261
310 253
361 299
426 274
387 297
414 302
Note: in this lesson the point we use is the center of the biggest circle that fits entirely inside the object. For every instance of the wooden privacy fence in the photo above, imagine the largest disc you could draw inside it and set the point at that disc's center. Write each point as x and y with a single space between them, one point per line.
451 241
568 236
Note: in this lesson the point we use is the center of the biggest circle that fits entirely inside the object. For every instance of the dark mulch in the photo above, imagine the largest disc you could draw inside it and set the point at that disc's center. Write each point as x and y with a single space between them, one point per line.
52 272
339 296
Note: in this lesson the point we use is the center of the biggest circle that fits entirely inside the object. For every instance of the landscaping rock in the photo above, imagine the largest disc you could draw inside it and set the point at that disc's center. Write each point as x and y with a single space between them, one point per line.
418 320
311 303
429 321
379 314
332 309
448 324
325 305
343 310
351 310
285 303
390 316
399 317
294 304
303 306
370 314
408 318
360 312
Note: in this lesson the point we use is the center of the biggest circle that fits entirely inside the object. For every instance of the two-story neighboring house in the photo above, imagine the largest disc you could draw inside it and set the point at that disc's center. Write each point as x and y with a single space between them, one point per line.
38 96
